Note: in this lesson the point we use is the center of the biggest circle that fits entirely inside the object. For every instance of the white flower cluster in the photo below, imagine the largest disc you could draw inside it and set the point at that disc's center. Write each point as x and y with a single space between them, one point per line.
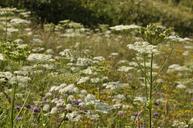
7 11
176 68
84 62
19 77
37 57
143 47
124 27
124 69
114 85
18 21
67 53
179 39
179 124
13 22
2 57
78 103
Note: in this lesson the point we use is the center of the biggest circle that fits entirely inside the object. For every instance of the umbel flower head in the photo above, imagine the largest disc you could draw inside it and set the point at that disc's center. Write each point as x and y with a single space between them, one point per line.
155 34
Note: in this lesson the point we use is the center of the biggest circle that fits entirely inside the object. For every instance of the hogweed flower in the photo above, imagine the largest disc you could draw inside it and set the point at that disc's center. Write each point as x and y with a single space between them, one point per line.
143 47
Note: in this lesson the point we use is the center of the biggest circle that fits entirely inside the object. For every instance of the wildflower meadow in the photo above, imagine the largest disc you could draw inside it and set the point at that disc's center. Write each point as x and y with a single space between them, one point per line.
69 75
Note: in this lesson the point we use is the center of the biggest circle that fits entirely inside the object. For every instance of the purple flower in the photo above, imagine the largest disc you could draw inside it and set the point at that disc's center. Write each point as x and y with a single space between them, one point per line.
18 107
77 102
36 109
155 114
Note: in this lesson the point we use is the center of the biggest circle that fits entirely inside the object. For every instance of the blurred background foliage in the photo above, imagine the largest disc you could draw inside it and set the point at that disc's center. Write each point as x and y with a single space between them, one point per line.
172 13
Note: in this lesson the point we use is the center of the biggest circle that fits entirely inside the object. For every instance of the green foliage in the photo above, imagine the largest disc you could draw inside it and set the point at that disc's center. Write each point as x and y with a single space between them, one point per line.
155 34
113 12
14 51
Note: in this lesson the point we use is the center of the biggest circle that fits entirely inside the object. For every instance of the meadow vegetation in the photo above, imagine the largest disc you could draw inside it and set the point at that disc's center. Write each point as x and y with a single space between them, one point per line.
72 74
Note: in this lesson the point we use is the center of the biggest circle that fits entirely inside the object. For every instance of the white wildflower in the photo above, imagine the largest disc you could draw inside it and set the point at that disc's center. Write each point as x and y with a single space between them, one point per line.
89 98
123 62
70 98
74 116
180 86
119 97
124 27
83 80
176 68
99 58
12 30
59 103
124 69
35 57
49 51
38 49
68 107
46 107
114 54
83 62
68 89
112 85
178 124
54 110
95 80
177 38
102 107
21 73
140 99
88 71
143 47
17 21
37 41
2 57
191 121
83 92
92 116
19 41
53 88
66 53
7 75
20 80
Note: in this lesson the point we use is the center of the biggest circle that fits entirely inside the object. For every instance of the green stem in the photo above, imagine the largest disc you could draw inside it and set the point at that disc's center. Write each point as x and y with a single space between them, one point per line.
6 27
151 92
145 76
12 105
98 92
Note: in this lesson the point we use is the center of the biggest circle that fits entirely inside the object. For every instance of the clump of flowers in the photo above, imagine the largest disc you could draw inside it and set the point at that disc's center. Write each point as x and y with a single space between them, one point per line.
73 103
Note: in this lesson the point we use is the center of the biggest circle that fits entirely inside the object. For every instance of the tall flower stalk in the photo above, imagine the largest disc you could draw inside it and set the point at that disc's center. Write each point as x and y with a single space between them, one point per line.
152 35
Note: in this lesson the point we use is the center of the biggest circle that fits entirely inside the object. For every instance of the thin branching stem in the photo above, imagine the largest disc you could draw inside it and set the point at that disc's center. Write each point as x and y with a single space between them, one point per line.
23 105
164 63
